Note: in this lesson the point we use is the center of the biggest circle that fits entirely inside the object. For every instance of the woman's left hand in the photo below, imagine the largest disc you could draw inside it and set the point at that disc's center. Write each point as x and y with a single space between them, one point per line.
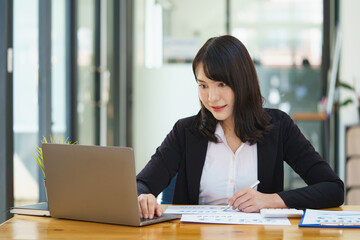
250 200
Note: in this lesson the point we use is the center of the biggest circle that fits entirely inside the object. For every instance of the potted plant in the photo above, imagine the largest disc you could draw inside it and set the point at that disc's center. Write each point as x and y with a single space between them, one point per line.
350 100
39 153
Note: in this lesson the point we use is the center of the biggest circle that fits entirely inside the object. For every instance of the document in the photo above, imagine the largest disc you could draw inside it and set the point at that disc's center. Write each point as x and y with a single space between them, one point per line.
198 209
337 219
216 214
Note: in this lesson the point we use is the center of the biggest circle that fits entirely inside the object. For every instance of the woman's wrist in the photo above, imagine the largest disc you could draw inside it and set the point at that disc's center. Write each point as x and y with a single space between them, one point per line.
276 201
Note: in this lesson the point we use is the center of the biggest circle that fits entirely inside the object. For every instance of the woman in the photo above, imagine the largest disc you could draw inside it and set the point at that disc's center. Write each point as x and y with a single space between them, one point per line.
232 142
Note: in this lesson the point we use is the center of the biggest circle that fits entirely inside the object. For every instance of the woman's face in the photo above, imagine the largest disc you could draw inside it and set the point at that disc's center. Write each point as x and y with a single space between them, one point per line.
216 96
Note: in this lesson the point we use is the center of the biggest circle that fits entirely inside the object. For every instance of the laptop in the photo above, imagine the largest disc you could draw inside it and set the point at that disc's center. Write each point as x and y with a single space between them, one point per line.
93 183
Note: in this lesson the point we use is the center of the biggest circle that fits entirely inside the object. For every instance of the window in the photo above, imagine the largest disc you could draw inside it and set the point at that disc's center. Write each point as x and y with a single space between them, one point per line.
25 97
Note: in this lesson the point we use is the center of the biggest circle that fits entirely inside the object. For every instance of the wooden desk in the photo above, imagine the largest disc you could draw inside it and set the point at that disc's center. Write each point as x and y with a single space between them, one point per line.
29 227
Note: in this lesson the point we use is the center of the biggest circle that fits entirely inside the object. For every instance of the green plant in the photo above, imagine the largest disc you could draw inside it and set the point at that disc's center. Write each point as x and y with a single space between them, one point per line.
349 100
39 153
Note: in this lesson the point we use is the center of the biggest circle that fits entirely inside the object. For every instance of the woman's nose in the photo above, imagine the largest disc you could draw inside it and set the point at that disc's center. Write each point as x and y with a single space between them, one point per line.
213 95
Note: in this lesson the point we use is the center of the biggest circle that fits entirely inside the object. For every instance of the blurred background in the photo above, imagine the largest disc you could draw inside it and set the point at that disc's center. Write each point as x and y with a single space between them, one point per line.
118 73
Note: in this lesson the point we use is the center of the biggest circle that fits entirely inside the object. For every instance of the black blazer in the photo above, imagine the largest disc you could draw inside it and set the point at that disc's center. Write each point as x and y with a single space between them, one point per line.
183 152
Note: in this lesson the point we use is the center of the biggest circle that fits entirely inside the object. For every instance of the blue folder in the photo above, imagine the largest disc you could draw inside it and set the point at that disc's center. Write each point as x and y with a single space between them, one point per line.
331 219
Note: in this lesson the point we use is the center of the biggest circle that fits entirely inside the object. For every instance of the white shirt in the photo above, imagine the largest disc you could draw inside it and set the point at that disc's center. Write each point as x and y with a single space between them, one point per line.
224 172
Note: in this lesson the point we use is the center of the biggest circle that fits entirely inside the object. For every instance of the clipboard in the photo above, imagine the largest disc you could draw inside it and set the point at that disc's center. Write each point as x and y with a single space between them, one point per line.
330 219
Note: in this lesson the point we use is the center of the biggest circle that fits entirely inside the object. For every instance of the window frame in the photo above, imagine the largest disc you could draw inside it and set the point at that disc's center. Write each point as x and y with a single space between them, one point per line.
6 106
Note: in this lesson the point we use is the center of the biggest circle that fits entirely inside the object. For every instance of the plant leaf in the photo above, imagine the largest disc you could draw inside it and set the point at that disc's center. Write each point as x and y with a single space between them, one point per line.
345 85
346 102
39 153
39 161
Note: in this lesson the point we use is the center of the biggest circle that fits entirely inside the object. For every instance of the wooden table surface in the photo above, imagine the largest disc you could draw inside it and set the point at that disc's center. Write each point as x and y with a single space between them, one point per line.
30 227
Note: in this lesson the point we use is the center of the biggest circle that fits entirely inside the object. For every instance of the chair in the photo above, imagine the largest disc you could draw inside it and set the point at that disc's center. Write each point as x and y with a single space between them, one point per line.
167 194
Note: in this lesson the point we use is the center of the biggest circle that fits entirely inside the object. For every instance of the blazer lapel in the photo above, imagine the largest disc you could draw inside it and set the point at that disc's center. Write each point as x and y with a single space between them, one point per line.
196 147
267 153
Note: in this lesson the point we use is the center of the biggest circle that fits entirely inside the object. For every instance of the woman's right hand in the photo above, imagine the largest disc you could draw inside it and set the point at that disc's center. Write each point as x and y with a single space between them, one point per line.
148 206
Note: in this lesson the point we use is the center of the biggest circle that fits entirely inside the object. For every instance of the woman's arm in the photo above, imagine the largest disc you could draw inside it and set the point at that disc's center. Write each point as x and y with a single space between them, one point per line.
325 189
159 171
163 165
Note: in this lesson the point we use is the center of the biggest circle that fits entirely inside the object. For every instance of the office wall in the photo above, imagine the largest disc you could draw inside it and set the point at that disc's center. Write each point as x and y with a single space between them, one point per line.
349 69
162 96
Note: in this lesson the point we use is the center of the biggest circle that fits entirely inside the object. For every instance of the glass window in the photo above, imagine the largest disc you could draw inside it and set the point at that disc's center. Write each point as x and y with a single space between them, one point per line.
58 71
279 32
86 102
95 104
175 30
284 37
107 94
26 110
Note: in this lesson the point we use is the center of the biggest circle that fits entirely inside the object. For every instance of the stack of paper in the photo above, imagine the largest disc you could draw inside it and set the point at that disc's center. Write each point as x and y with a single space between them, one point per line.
218 214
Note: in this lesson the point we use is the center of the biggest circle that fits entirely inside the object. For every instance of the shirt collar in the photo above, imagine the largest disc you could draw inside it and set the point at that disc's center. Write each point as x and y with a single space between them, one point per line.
219 133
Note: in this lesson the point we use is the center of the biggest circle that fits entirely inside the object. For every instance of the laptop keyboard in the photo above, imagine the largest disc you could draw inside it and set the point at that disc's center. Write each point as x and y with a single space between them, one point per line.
144 220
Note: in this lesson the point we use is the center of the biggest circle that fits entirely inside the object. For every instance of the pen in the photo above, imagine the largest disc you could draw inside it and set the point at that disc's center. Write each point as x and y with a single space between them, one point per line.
252 186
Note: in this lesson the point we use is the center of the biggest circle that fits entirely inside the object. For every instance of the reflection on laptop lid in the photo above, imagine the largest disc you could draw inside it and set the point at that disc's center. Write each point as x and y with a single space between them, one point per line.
93 183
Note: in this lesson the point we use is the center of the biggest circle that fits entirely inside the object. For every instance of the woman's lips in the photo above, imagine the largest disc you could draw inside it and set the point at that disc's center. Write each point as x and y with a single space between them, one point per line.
218 108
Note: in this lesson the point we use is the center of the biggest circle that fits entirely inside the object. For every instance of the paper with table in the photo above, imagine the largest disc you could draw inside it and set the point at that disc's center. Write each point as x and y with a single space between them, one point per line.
216 214
336 219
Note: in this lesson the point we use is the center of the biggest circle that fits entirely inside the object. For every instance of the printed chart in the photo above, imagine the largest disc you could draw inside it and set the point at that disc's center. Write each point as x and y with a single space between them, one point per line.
198 209
235 218
216 214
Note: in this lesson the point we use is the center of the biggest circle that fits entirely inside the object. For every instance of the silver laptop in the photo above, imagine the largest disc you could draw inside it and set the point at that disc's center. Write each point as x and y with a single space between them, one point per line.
93 183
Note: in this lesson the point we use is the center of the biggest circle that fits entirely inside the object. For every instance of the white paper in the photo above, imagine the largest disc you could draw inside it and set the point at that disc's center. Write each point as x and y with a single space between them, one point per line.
234 218
216 214
315 217
198 209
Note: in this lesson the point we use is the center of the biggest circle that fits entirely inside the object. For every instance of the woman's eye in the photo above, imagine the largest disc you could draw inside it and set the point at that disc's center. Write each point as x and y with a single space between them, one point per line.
222 84
202 86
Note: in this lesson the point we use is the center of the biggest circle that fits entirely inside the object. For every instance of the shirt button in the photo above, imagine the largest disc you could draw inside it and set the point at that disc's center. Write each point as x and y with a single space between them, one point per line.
233 158
232 180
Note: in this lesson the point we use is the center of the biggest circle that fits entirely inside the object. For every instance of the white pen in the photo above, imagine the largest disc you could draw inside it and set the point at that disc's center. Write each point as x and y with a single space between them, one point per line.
252 186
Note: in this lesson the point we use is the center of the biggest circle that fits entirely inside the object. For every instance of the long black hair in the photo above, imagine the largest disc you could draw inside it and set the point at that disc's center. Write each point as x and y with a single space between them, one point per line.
226 59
